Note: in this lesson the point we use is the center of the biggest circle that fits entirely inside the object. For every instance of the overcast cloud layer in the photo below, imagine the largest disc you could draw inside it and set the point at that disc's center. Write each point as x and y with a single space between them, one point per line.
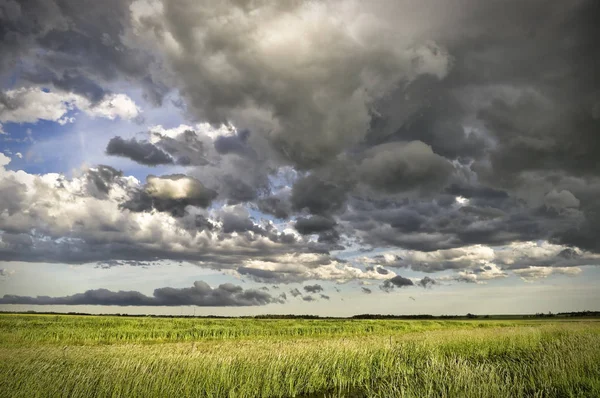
456 137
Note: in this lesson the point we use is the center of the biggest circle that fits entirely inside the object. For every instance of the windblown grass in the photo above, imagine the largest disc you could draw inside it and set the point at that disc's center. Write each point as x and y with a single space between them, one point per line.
118 357
88 330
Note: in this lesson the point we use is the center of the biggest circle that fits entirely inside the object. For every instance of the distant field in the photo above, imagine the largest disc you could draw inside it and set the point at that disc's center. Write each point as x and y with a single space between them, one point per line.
89 356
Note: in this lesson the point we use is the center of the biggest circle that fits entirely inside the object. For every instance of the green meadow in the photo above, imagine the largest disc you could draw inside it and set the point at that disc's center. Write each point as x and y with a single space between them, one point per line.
103 356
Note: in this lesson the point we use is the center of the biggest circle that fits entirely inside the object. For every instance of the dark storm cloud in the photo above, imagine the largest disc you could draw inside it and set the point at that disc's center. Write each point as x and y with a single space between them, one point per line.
519 118
480 129
314 224
75 45
317 195
331 240
142 152
279 207
430 225
313 288
542 115
399 166
201 294
237 219
236 144
426 113
236 190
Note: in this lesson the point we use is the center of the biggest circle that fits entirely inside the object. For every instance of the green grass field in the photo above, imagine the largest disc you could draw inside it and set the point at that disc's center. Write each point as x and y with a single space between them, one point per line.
89 356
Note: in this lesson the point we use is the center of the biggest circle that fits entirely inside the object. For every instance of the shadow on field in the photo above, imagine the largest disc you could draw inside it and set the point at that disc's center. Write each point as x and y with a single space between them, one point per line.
333 393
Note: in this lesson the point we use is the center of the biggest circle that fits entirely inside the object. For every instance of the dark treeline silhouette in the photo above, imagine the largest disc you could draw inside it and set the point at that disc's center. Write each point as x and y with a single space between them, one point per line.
579 314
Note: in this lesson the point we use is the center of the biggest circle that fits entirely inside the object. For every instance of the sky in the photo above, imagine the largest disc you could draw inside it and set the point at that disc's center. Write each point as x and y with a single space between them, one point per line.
328 157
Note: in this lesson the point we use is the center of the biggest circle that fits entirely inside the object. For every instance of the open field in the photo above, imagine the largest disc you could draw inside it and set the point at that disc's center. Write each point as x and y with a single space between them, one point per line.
83 356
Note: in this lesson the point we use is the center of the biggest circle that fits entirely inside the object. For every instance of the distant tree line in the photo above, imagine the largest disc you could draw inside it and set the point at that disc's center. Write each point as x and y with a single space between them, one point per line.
579 314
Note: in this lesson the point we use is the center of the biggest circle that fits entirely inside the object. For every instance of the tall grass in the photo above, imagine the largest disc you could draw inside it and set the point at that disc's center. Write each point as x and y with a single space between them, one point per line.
451 359
77 330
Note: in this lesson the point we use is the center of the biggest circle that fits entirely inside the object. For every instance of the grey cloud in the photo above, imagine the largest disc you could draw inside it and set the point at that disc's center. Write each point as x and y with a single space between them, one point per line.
568 253
69 81
189 147
142 152
490 218
330 239
237 144
425 111
295 292
397 281
102 178
200 294
400 166
426 282
112 244
324 296
313 288
308 298
260 274
201 223
279 207
560 200
170 193
379 270
237 219
18 241
12 195
366 290
236 190
117 263
548 145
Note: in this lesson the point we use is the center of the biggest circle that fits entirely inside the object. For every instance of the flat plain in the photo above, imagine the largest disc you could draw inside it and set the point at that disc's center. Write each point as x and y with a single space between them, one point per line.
106 356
